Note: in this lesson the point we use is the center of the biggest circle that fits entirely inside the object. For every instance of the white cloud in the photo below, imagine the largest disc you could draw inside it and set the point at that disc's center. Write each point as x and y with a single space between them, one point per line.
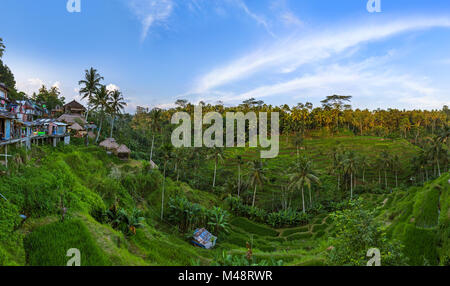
151 12
289 19
260 20
30 85
288 55
370 81
112 87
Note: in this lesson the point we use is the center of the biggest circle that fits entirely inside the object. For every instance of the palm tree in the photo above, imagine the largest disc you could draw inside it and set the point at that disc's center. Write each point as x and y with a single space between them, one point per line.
155 119
2 47
364 164
91 84
217 154
435 152
257 177
298 140
180 158
301 175
350 162
101 101
396 165
116 106
167 151
240 161
386 163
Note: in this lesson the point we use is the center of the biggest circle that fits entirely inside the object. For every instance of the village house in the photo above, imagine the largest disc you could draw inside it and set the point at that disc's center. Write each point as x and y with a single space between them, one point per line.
74 108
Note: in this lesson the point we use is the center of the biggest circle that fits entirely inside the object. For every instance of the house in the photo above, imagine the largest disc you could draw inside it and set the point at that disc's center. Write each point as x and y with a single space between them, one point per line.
6 120
74 108
57 111
109 144
3 97
123 152
204 238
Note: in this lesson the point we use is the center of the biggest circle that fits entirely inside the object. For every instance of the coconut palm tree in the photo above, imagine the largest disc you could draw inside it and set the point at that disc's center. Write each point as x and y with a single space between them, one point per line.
90 85
217 154
301 175
350 162
435 152
116 106
257 177
298 141
101 101
167 151
2 47
240 162
364 165
155 120
386 164
396 165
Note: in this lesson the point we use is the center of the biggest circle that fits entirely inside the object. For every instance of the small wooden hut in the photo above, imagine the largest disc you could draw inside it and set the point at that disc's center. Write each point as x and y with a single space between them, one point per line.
123 152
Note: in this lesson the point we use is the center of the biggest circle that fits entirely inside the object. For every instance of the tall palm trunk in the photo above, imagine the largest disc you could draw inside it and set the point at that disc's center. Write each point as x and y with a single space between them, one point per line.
215 172
239 181
113 119
303 200
163 189
439 167
310 198
254 196
151 150
351 185
385 179
100 128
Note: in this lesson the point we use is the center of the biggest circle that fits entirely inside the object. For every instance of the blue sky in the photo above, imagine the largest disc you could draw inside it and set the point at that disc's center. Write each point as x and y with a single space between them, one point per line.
280 51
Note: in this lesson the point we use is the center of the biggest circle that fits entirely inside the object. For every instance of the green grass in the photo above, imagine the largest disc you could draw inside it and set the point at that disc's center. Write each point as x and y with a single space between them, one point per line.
48 245
253 228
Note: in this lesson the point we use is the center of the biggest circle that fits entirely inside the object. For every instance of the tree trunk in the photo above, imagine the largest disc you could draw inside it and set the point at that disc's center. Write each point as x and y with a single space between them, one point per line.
254 196
303 200
364 176
215 171
239 181
310 198
351 185
439 168
162 195
99 129
396 179
151 150
112 125
385 179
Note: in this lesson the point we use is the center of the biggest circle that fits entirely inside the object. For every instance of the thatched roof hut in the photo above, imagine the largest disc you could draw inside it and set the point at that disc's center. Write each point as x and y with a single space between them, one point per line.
76 127
72 118
123 152
109 144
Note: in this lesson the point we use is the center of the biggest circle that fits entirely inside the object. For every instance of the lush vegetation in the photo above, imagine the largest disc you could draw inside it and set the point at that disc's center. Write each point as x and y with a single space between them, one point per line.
345 181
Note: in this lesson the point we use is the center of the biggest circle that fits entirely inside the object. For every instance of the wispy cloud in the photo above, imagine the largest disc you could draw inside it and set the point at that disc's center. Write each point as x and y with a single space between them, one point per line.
364 79
151 12
288 55
260 20
289 19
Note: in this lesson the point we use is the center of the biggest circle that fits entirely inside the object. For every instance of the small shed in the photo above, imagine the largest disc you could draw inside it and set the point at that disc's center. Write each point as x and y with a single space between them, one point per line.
123 152
204 238
109 144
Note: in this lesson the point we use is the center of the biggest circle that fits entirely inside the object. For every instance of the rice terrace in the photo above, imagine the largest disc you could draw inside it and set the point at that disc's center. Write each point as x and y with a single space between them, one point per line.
326 144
